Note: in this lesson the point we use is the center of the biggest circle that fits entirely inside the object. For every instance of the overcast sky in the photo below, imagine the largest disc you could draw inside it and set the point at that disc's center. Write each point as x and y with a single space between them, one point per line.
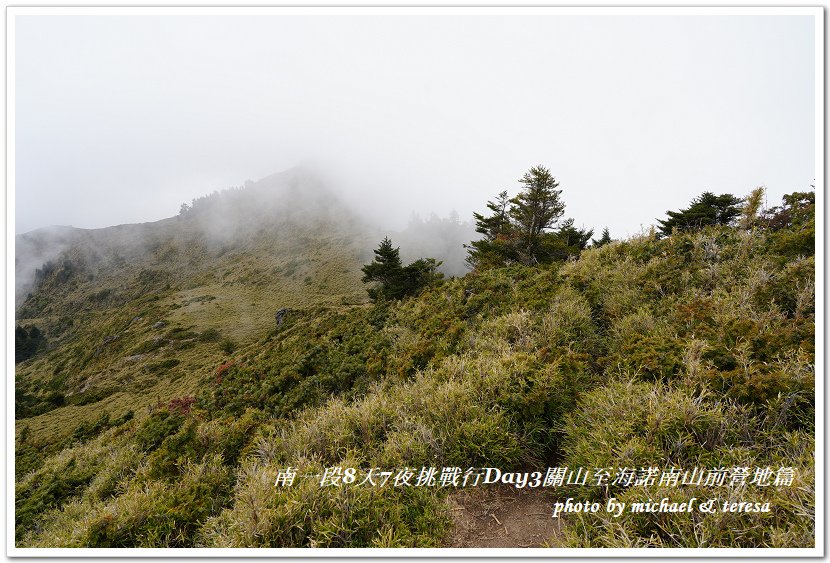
123 118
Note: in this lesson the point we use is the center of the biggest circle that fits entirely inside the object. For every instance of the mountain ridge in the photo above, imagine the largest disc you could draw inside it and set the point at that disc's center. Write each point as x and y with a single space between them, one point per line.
160 392
220 268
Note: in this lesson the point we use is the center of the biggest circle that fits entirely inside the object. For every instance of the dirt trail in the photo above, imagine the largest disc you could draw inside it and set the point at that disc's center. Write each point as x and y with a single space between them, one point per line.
502 517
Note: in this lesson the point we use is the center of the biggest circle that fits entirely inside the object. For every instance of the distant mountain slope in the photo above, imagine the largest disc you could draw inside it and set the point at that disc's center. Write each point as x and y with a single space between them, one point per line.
134 314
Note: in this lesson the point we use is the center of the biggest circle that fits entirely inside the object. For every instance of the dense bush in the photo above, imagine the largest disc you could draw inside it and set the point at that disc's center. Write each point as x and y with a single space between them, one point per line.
631 424
27 342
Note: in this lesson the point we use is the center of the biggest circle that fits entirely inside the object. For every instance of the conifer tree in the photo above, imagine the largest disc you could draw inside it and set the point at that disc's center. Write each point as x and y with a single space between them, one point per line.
535 209
603 240
497 246
517 231
570 240
498 223
392 279
419 274
386 269
706 210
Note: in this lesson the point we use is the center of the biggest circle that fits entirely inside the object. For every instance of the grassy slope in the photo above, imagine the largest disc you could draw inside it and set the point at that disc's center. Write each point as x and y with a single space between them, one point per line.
138 314
692 350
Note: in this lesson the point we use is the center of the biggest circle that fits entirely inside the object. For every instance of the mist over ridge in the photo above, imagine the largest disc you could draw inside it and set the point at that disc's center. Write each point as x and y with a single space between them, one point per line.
291 205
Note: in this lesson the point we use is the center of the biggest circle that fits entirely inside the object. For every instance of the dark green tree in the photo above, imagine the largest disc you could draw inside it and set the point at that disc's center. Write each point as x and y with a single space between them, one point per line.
27 342
706 210
497 247
420 274
569 240
393 280
518 229
497 224
603 240
386 270
534 210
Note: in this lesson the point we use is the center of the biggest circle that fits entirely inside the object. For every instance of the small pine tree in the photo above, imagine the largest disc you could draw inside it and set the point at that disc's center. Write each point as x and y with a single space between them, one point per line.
420 274
706 210
392 279
603 240
568 241
535 209
386 270
517 229
497 247
498 223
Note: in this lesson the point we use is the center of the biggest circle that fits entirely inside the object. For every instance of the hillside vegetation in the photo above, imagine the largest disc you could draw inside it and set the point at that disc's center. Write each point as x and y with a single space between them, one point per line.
165 399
